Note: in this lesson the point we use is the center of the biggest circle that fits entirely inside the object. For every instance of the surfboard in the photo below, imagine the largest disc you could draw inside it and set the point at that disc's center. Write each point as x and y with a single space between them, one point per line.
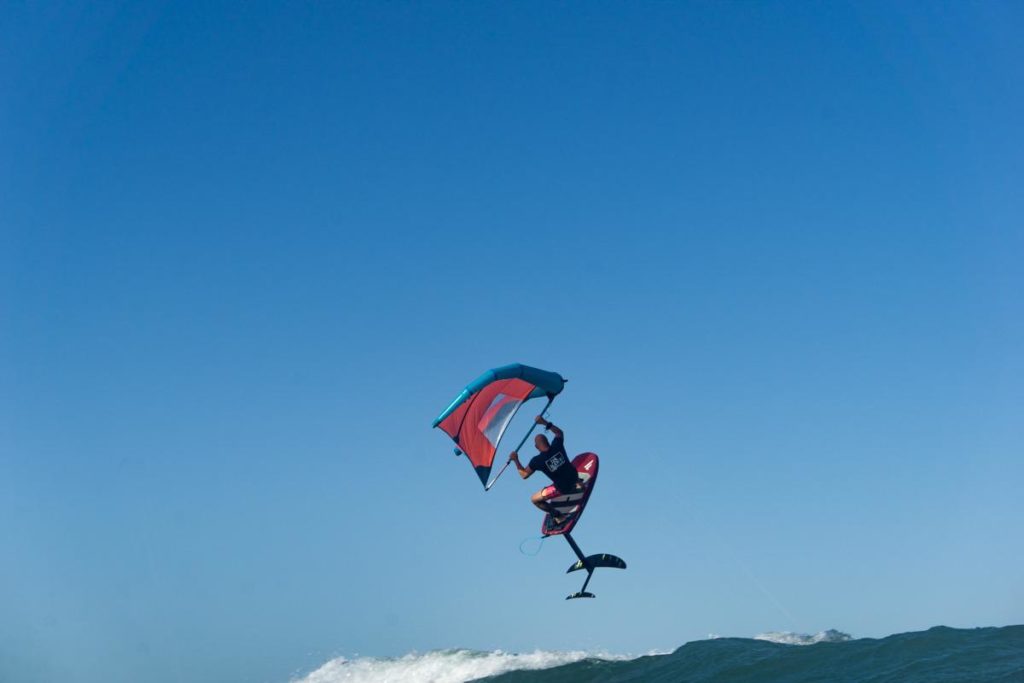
572 504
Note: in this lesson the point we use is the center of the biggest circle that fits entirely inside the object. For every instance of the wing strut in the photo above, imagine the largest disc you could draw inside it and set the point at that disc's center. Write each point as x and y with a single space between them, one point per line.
488 485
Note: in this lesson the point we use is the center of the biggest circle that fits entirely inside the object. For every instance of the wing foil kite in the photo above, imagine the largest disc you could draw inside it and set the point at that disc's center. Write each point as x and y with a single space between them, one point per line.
478 417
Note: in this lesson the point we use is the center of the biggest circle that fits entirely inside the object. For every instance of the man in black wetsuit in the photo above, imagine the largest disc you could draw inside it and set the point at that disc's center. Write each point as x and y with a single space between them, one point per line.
552 461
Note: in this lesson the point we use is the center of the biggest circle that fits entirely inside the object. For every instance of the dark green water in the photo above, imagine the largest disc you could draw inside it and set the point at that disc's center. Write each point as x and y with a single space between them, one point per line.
938 655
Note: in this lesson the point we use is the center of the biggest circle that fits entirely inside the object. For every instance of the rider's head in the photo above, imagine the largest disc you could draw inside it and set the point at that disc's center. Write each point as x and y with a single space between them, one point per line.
541 442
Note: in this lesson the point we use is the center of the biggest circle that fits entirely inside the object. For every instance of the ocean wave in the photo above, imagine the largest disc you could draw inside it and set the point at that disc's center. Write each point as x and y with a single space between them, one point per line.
789 638
444 666
982 655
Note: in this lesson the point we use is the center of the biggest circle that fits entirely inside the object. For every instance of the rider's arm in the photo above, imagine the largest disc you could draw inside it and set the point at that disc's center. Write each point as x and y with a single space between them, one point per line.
550 426
524 472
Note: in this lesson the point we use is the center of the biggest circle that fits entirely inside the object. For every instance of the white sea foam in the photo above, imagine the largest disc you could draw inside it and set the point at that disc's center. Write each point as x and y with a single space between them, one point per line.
445 666
789 638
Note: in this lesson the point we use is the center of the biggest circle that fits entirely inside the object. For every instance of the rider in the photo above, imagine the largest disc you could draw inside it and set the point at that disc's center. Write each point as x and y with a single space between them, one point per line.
552 461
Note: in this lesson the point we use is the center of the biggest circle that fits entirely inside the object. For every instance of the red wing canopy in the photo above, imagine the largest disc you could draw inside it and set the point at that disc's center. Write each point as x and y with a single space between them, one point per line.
478 417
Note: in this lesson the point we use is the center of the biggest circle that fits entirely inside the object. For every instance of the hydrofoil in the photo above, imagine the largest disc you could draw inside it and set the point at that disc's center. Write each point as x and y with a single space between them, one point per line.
570 507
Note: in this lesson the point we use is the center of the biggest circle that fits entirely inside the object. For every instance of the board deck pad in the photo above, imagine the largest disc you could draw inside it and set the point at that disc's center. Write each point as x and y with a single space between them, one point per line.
571 505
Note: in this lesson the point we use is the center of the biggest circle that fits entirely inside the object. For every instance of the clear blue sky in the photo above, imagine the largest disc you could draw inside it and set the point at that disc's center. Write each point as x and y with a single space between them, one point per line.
249 251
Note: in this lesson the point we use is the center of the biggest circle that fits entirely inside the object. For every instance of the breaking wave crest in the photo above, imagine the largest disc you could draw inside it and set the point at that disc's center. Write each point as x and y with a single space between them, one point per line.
788 638
444 666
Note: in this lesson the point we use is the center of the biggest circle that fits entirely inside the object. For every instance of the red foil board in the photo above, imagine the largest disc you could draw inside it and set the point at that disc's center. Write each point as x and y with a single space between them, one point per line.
586 464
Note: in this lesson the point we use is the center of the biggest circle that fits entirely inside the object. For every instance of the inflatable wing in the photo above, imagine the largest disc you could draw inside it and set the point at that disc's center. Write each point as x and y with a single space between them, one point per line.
478 417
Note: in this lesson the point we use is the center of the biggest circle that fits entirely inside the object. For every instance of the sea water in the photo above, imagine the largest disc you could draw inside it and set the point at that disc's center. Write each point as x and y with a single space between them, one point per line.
938 655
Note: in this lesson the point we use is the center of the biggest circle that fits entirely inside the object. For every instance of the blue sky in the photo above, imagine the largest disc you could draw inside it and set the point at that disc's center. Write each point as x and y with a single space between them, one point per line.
249 251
